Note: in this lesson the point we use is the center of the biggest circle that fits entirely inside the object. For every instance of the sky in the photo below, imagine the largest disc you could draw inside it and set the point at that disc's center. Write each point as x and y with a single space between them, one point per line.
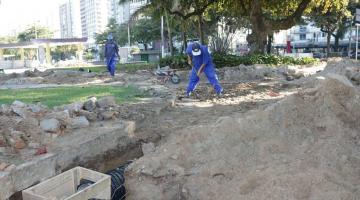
16 15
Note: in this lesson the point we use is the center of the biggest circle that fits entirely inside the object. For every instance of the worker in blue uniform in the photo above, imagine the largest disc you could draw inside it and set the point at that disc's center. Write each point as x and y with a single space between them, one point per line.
200 60
111 54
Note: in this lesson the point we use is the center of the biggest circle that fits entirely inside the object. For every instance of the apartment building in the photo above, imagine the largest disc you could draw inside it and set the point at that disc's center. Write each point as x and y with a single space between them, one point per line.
70 19
94 17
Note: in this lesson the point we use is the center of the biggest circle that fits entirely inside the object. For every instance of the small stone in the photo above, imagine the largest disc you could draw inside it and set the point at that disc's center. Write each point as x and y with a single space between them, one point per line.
10 168
3 166
34 145
41 151
107 115
79 122
17 134
2 141
174 157
3 150
50 125
106 102
19 144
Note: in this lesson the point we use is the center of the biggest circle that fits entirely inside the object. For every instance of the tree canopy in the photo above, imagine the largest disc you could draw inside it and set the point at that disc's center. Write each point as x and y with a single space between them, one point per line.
34 32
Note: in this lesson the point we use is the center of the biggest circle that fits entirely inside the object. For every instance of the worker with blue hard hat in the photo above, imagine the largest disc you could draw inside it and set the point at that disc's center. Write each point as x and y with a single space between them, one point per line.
200 60
111 54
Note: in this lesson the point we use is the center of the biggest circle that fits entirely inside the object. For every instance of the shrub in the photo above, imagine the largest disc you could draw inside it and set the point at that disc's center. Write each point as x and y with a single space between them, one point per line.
228 60
175 62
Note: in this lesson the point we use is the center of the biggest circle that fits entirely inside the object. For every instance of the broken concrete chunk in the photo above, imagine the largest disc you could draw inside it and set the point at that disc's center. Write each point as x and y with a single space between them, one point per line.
50 125
90 105
5 109
20 111
107 115
35 108
10 168
89 115
19 104
62 116
74 107
19 144
79 122
3 166
106 102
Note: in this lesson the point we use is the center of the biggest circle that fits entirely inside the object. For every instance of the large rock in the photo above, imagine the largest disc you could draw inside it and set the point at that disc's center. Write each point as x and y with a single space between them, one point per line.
106 102
62 116
5 109
50 125
90 105
91 116
79 122
74 107
19 104
20 111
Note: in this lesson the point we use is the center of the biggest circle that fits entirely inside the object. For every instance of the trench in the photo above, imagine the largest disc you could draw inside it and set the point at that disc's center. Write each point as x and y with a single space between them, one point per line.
105 162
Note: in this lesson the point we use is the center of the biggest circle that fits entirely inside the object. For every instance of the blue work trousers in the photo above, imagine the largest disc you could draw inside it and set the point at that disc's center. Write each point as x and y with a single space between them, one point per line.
211 76
111 65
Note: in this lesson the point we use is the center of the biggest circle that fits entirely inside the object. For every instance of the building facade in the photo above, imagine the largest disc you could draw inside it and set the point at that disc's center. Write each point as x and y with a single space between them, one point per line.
70 19
122 12
95 16
309 38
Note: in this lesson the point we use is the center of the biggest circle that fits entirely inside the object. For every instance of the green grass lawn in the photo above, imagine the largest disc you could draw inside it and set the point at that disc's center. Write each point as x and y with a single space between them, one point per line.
119 67
66 95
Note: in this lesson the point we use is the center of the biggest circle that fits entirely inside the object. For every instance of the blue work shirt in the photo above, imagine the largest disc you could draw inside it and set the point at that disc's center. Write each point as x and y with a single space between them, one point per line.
203 58
111 49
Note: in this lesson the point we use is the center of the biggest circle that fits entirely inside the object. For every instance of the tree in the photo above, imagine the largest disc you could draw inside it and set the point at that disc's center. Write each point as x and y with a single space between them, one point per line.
119 31
146 30
34 32
331 19
266 16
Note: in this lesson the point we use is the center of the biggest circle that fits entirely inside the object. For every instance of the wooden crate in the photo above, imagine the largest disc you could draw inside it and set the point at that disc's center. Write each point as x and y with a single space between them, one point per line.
64 186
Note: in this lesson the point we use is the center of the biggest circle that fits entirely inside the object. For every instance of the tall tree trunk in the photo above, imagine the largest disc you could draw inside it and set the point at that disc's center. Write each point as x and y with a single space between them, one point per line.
200 29
328 44
336 45
184 37
269 43
259 29
171 46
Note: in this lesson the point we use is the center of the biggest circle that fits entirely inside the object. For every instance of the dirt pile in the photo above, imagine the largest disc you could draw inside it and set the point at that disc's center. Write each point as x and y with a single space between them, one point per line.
347 67
306 146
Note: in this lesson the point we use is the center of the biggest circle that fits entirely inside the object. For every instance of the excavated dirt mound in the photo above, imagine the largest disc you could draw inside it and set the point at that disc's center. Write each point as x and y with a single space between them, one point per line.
306 146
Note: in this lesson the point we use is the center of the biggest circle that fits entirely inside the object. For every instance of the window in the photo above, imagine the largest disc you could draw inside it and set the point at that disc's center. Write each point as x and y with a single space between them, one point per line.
302 36
302 29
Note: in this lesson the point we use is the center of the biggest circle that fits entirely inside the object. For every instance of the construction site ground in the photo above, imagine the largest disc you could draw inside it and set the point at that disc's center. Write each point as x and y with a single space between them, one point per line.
287 132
